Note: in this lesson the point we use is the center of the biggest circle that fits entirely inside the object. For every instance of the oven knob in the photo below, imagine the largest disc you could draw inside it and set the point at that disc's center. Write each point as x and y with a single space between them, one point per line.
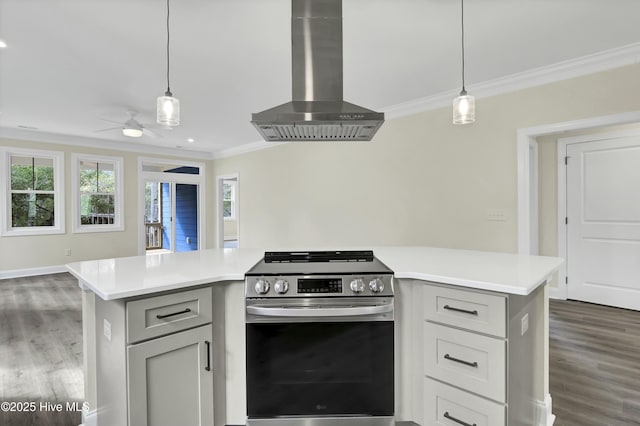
357 285
281 286
262 286
376 285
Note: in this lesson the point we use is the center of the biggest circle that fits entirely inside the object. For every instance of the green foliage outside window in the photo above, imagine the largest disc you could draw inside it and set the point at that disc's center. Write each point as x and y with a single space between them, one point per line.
228 200
32 192
97 193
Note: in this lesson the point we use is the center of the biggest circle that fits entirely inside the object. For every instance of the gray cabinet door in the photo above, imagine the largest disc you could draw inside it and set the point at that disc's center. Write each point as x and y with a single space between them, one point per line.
169 383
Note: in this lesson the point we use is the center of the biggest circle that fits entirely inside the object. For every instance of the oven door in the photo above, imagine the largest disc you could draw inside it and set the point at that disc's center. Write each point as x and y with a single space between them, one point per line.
318 358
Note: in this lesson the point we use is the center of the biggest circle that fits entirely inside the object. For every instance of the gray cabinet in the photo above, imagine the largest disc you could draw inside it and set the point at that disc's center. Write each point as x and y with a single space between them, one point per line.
480 355
170 380
155 360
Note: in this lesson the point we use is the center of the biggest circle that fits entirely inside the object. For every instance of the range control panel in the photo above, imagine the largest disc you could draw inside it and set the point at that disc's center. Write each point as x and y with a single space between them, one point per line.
318 286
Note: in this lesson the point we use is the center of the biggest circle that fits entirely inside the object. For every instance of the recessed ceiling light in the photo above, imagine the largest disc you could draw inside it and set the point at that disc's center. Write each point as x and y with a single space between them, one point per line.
191 140
3 44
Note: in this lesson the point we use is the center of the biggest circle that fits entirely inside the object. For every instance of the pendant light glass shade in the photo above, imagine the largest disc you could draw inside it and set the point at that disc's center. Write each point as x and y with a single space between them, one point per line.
168 110
168 107
464 109
464 106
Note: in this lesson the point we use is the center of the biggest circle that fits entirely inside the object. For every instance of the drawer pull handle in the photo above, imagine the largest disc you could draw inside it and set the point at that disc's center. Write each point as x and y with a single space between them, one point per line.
453 419
461 361
208 344
187 310
464 311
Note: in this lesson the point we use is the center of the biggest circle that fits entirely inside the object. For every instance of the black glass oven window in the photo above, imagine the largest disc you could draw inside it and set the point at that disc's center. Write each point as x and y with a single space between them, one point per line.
320 369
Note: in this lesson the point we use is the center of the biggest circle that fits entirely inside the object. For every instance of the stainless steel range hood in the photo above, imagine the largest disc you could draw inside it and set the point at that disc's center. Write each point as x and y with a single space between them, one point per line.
318 111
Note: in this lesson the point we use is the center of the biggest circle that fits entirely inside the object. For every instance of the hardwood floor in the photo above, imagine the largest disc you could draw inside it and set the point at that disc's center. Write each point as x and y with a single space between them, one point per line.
41 348
594 364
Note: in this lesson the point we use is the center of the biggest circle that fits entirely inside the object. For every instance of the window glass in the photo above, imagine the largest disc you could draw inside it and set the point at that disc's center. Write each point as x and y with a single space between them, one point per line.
97 194
31 173
228 200
32 209
32 192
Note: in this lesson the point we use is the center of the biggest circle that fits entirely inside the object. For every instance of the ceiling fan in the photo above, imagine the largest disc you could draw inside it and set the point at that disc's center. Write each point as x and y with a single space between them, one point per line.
132 127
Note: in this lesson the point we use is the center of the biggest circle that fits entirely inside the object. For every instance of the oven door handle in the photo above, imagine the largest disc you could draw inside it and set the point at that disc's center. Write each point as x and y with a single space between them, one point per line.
319 312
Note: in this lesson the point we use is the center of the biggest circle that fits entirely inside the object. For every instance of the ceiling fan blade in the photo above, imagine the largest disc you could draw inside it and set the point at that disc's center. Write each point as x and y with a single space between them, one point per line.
111 121
151 134
107 130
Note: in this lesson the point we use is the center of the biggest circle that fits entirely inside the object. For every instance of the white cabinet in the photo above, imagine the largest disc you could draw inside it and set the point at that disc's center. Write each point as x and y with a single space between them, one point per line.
161 315
445 405
474 357
171 381
479 312
155 360
470 361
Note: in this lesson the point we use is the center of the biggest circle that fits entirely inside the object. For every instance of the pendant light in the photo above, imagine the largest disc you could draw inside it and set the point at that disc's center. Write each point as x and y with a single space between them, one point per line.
464 106
168 107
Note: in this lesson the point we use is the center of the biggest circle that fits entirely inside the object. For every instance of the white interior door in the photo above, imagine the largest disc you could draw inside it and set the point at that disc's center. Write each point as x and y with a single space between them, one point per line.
603 211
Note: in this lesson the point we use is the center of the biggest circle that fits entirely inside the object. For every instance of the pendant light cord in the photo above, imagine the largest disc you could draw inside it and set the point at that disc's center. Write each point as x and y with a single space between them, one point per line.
168 85
464 91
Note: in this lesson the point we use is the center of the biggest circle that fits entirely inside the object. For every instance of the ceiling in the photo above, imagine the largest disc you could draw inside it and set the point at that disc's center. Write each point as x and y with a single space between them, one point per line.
72 64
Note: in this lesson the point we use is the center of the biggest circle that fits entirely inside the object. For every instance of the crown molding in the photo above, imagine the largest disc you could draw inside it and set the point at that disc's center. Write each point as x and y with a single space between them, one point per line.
584 65
577 67
58 138
245 148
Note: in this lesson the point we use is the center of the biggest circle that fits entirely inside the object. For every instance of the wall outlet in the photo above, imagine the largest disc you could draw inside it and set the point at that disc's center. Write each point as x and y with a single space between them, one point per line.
107 329
524 324
67 252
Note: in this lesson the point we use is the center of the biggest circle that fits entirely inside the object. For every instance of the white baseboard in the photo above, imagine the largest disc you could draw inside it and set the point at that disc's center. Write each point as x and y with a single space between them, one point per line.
31 272
557 293
90 418
545 416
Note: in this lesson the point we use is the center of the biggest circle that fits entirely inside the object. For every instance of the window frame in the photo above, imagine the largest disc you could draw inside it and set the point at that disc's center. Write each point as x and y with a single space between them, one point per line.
233 184
118 170
59 217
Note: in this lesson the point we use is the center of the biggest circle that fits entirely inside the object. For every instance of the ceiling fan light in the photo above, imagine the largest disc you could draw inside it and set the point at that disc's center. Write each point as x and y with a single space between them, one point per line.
168 111
132 132
464 109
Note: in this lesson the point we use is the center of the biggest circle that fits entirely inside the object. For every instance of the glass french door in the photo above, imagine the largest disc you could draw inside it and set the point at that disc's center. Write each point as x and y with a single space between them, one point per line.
171 216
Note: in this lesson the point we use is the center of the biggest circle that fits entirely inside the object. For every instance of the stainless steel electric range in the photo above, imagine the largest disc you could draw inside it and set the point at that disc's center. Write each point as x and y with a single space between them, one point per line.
320 340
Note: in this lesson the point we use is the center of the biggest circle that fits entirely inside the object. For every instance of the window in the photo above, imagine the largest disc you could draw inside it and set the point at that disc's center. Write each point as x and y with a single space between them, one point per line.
33 192
98 200
229 200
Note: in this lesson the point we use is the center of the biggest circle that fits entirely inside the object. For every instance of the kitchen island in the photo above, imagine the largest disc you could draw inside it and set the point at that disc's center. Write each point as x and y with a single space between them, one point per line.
512 285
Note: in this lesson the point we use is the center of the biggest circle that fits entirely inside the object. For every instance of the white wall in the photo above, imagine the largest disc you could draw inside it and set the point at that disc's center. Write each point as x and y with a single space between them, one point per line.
26 252
230 230
421 180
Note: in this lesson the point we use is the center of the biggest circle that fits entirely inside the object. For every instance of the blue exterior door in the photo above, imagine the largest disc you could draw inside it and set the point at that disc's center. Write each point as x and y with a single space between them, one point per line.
186 223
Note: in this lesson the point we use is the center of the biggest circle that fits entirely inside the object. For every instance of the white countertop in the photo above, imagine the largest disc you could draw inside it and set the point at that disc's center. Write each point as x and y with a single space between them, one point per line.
502 272
142 275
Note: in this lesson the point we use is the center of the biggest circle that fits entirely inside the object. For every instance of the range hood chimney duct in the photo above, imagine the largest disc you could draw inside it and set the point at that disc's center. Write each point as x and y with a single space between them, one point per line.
317 111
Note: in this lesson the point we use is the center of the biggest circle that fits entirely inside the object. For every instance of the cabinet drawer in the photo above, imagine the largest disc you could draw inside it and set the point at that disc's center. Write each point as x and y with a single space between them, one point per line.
467 360
161 315
480 312
448 406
